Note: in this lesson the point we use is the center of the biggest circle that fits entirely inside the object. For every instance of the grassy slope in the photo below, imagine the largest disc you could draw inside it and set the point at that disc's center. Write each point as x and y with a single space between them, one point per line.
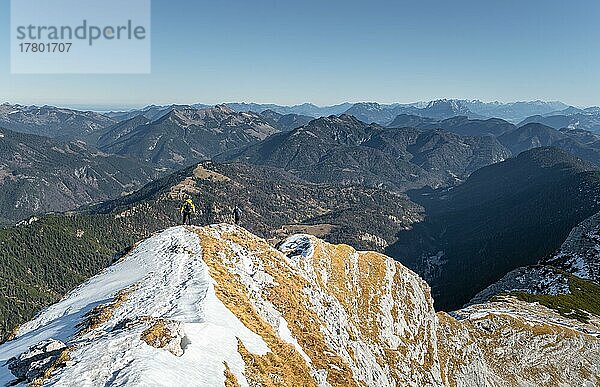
583 299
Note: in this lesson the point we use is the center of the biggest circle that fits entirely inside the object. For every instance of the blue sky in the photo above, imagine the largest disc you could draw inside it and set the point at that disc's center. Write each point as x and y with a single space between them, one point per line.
332 51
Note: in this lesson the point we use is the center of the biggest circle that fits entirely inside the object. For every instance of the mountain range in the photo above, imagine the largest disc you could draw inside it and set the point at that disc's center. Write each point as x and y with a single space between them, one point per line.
385 114
579 119
285 122
348 151
513 112
456 124
534 135
40 174
305 109
74 124
48 121
580 142
554 114
151 112
382 113
185 136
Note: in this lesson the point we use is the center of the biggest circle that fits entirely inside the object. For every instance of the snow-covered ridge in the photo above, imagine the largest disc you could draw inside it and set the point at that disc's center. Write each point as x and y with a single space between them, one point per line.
218 306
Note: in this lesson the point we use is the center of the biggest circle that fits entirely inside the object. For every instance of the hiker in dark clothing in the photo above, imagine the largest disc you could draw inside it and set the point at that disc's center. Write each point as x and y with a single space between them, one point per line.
187 209
237 215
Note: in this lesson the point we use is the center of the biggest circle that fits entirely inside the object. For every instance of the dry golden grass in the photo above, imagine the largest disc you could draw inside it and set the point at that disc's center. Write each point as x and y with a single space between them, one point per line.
269 370
284 364
289 298
318 230
461 342
358 285
230 379
358 281
102 313
184 189
157 335
451 357
202 173
188 185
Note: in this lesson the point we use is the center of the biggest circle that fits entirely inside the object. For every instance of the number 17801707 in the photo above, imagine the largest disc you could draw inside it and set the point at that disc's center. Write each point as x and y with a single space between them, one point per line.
45 47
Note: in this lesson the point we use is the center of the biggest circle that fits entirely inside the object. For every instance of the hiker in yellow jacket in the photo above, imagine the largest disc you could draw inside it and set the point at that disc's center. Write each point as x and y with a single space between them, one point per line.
187 209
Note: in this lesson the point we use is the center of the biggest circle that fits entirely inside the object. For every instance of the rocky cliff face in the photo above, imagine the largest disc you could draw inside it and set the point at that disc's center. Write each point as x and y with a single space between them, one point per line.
580 254
217 306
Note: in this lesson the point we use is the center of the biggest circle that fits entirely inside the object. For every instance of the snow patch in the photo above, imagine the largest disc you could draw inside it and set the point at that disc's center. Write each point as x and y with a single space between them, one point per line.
168 279
286 335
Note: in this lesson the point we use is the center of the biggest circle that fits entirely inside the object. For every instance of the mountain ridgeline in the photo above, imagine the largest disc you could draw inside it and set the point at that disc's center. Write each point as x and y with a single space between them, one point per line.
588 119
183 137
48 121
447 108
461 125
516 139
345 150
71 247
384 115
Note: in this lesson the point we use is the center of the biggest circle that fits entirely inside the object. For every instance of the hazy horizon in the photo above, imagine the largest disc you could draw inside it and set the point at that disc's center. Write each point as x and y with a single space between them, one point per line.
119 107
326 52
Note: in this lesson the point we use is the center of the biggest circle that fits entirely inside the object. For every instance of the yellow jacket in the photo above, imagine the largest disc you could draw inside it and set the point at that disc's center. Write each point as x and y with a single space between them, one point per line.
192 207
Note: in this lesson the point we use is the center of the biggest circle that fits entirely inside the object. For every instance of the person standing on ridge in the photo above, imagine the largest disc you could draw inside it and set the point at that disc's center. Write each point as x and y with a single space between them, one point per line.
237 215
187 209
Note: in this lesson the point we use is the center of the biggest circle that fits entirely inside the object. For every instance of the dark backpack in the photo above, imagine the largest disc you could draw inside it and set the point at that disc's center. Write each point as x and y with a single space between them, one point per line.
237 212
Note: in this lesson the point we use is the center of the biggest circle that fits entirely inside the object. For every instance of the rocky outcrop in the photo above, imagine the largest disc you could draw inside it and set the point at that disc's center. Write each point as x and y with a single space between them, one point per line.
580 253
166 334
34 364
537 279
